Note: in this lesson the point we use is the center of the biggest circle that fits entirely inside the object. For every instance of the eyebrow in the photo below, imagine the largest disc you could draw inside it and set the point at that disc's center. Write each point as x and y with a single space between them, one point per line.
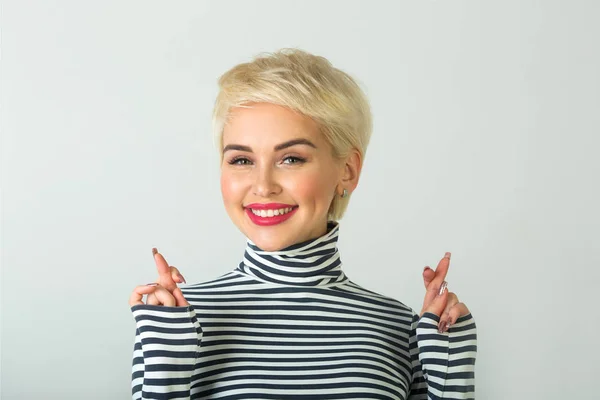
281 146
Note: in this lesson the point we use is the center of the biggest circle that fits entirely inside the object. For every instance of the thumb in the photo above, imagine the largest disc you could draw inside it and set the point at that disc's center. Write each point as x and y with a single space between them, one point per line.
179 299
438 303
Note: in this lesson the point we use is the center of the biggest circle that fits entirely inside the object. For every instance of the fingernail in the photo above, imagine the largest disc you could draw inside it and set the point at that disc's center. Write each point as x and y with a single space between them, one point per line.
447 255
154 251
152 284
181 277
444 327
443 288
426 268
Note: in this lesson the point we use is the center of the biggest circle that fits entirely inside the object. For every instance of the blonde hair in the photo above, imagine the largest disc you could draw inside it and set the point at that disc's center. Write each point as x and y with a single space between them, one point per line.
305 83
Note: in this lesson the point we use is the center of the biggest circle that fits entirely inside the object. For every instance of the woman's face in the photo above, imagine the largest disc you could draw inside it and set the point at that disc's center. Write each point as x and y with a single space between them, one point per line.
278 175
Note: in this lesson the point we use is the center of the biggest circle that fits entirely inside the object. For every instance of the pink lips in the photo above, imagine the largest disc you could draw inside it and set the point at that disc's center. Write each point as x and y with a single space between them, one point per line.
268 221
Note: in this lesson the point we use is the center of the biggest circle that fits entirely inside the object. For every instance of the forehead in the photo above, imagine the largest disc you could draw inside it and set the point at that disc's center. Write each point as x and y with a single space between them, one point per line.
264 123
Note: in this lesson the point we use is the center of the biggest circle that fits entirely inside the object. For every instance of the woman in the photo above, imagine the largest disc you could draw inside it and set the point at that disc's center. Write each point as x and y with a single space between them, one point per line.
287 322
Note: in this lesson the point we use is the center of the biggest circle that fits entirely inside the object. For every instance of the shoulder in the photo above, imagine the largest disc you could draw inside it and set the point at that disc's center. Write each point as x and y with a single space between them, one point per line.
220 283
376 299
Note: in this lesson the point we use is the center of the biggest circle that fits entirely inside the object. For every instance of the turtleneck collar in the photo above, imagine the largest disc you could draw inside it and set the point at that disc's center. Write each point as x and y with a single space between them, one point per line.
315 262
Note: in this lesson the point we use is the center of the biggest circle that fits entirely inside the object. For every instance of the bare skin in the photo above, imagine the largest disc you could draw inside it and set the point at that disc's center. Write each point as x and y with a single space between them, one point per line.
446 306
164 292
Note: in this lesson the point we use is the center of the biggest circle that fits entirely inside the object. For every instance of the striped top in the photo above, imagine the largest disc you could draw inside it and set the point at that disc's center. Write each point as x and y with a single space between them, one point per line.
290 324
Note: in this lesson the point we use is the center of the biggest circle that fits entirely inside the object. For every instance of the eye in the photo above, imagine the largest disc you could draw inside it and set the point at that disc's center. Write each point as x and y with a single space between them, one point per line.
239 161
290 160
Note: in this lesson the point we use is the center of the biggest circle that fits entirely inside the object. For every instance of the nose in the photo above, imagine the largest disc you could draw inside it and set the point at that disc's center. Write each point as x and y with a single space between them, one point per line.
265 183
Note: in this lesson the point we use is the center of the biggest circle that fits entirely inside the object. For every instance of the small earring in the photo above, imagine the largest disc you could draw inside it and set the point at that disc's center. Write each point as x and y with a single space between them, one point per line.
344 193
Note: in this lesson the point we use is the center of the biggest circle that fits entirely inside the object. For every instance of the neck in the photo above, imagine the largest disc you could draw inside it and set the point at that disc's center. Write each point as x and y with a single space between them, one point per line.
315 262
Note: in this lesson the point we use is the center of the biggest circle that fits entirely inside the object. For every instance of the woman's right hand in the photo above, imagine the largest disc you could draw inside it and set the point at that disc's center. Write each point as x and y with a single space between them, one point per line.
164 291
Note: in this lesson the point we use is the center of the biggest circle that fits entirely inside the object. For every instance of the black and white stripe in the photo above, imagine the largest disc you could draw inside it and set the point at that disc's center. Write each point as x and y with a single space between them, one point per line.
291 325
311 263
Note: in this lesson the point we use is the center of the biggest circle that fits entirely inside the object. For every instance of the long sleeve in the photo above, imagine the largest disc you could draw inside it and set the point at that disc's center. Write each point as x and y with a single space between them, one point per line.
167 344
443 363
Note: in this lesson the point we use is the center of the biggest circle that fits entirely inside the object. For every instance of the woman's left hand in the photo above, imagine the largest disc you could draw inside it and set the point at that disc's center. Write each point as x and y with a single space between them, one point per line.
446 306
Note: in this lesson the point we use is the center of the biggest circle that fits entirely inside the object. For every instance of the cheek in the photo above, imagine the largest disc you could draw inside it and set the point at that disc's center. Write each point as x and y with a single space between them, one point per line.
316 188
231 189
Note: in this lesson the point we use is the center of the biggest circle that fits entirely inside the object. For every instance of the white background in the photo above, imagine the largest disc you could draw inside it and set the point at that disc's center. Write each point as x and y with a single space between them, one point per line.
485 144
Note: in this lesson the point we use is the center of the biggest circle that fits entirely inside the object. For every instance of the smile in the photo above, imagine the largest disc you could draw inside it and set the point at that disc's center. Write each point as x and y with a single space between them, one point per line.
269 214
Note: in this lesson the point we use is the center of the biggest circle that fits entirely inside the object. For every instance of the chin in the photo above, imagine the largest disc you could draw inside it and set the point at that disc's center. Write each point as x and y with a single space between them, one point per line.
268 236
269 241
277 236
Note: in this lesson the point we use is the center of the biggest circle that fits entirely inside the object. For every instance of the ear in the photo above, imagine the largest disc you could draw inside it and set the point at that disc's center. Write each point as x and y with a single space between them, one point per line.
351 171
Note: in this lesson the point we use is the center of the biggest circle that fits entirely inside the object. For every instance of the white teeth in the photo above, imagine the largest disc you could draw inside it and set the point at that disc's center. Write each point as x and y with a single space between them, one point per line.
271 212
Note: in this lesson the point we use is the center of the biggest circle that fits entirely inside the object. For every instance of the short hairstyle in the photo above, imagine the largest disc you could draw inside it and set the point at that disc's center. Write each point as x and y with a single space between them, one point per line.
305 83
